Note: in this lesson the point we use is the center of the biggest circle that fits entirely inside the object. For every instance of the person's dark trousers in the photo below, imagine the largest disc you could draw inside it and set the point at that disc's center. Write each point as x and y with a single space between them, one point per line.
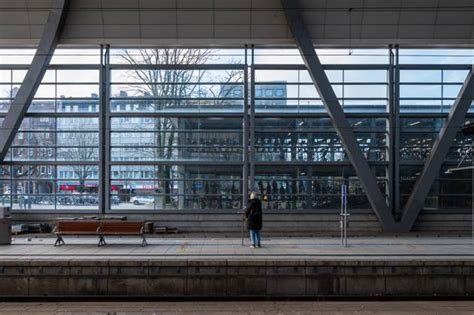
255 237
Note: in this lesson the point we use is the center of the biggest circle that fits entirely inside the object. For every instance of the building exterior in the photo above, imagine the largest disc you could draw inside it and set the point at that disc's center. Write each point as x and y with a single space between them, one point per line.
155 128
186 152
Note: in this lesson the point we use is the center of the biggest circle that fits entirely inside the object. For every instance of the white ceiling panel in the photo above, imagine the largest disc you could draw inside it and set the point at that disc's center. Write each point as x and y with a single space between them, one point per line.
416 31
452 31
384 4
455 17
418 17
381 17
378 31
417 23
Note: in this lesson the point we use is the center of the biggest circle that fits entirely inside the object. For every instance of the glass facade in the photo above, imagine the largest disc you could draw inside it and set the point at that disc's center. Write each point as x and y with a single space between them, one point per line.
195 129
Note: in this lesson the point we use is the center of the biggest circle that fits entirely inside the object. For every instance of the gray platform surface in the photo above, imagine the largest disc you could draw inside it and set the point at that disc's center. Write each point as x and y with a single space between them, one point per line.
239 307
371 248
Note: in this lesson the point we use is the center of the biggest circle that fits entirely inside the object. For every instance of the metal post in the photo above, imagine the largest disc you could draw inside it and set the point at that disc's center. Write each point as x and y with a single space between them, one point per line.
343 214
242 231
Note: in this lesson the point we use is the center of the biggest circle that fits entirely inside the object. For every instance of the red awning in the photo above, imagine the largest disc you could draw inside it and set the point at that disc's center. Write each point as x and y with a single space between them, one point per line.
67 187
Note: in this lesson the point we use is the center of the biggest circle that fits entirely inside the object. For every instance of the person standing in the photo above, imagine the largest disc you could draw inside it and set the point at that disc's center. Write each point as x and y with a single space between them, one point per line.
253 214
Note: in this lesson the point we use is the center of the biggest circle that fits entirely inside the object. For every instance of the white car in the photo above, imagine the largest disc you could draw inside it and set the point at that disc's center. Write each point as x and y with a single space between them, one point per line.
141 200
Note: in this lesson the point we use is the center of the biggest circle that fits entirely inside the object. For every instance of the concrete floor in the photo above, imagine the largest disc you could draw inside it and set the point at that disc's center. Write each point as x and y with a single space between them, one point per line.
364 248
241 307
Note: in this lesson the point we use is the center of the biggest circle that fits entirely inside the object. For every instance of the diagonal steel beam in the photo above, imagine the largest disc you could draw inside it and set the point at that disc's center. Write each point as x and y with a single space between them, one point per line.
440 149
36 71
338 118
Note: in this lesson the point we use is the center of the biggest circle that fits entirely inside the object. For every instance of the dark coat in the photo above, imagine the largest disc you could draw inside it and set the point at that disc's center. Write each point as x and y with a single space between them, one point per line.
253 214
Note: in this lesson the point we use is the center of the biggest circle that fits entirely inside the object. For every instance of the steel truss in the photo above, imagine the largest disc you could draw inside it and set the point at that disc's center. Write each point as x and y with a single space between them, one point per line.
440 149
338 118
386 212
36 71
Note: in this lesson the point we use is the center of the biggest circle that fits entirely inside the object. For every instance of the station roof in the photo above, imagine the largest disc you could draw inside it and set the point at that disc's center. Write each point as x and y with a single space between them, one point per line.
332 23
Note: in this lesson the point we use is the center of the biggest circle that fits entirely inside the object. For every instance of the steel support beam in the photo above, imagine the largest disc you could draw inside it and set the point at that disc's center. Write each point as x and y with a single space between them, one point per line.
394 133
245 134
252 124
338 118
36 71
439 151
104 128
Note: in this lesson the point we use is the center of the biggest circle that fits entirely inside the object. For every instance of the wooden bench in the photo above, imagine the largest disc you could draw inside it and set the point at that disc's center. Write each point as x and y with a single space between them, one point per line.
121 228
70 227
98 228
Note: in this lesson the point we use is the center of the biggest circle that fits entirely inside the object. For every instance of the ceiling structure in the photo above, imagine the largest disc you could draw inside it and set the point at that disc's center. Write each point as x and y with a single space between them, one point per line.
331 23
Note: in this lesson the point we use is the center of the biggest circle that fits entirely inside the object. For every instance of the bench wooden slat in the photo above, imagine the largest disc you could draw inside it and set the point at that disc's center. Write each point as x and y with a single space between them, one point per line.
77 227
99 228
121 227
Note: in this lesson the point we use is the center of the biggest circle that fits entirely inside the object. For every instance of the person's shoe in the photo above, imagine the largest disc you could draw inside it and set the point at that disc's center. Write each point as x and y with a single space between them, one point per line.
259 245
252 246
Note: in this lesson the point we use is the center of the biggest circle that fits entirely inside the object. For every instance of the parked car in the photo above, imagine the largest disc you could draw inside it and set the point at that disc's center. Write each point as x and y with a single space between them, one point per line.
141 200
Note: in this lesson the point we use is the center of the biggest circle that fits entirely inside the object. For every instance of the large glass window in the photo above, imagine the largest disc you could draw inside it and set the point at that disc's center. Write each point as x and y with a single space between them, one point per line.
53 160
176 138
176 187
170 80
316 140
178 129
187 162
311 187
429 91
284 90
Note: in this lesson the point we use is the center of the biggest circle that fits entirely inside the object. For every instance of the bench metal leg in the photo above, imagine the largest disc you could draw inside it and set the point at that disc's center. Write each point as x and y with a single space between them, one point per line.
144 242
59 241
102 241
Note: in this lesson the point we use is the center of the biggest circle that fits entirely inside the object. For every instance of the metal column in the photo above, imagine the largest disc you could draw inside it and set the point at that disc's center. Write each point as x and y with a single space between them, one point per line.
245 136
439 151
394 134
252 123
104 172
396 147
36 71
338 118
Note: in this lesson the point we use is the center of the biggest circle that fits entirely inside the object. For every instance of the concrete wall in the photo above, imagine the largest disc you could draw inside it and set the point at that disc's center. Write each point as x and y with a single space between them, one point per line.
239 22
233 279
361 222
443 222
279 224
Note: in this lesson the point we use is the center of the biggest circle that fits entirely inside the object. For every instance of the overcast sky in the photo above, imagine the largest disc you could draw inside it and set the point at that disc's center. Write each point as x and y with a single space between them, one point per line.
262 56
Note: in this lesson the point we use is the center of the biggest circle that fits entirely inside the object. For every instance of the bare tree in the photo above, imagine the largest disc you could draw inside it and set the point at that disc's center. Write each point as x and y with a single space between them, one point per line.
84 149
174 88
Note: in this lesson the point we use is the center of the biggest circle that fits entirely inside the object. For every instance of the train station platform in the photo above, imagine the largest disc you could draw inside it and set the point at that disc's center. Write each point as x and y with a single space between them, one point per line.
180 267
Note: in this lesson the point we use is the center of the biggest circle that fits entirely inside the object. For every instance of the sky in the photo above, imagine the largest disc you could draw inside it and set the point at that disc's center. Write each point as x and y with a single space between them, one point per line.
262 56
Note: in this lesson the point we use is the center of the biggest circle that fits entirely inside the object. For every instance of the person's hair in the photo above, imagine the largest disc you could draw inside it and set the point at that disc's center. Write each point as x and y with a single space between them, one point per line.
254 195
